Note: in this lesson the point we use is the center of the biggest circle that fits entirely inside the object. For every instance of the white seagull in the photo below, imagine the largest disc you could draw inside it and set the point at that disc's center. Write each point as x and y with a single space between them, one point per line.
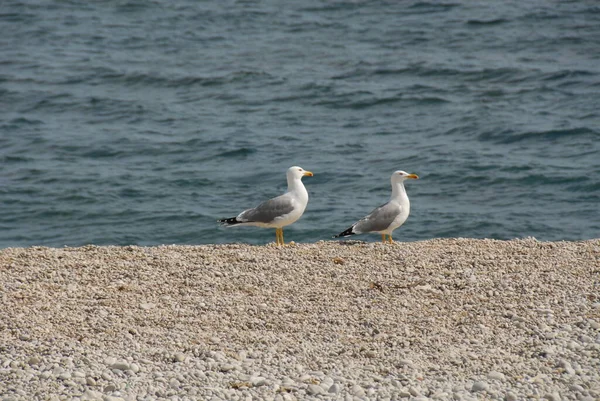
389 216
277 212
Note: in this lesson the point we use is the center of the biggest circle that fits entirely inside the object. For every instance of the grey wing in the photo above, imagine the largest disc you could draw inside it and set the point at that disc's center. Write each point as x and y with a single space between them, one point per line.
379 219
269 210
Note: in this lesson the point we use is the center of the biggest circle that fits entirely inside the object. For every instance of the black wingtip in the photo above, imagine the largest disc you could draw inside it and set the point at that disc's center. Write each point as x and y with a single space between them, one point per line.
229 222
345 233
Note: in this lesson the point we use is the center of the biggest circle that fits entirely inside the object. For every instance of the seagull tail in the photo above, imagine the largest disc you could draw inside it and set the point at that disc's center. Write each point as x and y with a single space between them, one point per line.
232 221
346 233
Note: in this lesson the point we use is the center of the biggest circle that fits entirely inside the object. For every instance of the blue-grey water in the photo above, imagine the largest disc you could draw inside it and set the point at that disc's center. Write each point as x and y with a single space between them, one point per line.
143 122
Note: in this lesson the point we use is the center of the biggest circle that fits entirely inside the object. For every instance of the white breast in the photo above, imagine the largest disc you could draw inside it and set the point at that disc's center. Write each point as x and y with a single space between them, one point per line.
399 220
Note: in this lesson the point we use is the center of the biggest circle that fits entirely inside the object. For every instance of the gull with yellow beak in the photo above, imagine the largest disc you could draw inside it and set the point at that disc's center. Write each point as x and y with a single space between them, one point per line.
277 212
386 218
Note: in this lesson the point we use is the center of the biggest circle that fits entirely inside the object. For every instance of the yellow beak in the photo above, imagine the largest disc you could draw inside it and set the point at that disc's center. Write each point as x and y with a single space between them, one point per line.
308 173
413 176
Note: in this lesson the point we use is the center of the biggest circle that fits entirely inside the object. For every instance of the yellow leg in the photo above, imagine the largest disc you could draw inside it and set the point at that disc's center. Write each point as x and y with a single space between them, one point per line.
383 238
279 236
390 238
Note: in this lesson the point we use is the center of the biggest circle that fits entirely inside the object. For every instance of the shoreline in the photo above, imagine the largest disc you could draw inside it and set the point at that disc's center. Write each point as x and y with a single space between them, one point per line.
441 319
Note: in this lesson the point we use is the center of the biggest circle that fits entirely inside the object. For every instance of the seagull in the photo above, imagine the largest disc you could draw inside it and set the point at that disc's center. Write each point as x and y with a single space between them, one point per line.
277 212
389 216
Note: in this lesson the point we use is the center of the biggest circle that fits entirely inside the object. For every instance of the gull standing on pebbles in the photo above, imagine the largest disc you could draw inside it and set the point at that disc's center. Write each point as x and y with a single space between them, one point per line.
387 217
277 212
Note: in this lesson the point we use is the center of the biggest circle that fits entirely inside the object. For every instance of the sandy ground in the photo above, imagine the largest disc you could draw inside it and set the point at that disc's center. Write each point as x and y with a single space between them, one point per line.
441 319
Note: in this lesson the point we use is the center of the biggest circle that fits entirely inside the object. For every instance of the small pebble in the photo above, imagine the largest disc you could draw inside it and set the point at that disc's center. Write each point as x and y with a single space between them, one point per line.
479 386
65 376
406 362
121 365
415 392
34 360
109 388
314 389
493 375
553 397
227 368
576 387
258 381
357 391
110 360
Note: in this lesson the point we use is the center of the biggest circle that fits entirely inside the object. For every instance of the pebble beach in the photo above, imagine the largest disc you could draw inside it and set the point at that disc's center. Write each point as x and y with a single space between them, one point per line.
443 319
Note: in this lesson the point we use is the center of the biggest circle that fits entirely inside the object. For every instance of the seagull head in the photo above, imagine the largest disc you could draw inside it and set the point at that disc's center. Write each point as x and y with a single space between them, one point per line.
401 176
296 172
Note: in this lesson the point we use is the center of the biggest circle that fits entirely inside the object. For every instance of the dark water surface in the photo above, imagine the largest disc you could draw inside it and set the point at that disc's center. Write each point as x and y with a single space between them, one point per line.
142 122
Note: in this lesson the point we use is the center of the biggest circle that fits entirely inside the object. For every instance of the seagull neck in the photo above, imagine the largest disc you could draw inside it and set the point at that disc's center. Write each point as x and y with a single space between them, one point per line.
295 185
398 191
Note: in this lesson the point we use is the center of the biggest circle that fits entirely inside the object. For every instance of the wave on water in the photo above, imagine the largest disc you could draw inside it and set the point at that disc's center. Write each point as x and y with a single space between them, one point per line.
510 136
432 7
488 22
236 153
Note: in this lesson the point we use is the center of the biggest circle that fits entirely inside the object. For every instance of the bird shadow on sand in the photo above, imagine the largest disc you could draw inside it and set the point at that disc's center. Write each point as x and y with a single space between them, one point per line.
351 242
